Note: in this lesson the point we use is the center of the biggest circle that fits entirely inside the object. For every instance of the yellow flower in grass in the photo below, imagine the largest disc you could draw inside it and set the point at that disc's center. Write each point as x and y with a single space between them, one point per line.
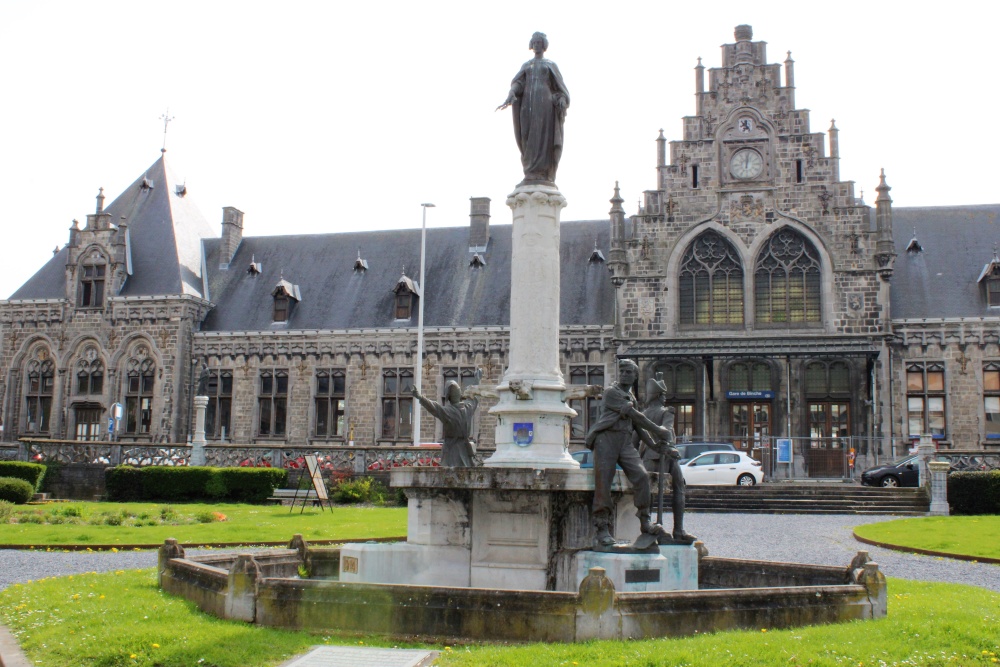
156 646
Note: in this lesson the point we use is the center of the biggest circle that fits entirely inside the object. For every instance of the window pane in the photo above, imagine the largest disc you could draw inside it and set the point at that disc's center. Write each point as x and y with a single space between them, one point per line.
83 383
816 379
264 426
991 380
339 385
406 383
839 378
282 382
266 385
133 384
935 381
225 411
279 416
761 377
577 424
992 405
915 415
935 415
322 411
914 381
147 383
96 383
388 418
338 417
389 385
684 380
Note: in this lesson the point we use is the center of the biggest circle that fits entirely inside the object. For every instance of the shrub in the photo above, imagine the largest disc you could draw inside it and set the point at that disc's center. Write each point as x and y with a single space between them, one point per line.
251 485
247 485
32 473
361 490
15 490
974 492
123 483
6 510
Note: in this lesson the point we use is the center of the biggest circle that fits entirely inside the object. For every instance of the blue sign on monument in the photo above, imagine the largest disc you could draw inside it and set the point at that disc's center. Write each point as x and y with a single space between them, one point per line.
744 395
524 433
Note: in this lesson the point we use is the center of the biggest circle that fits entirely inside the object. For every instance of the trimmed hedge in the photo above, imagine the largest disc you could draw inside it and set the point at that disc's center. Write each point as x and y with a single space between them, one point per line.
32 473
191 483
974 492
15 490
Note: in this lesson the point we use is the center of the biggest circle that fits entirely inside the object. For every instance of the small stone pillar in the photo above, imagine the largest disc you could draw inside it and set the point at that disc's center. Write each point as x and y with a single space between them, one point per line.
241 591
170 549
925 452
198 443
939 488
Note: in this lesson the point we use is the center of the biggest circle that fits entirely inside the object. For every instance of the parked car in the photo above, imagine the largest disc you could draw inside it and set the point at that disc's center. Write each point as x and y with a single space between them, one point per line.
904 472
689 450
722 468
585 458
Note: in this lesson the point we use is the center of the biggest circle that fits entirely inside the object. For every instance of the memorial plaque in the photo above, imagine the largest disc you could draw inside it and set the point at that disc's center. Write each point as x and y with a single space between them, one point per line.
349 564
642 576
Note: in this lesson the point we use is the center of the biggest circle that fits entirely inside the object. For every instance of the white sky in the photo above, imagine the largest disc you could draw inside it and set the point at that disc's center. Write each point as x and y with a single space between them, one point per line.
335 116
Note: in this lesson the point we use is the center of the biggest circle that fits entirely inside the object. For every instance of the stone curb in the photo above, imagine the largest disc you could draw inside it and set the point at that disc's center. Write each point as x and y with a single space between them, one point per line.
926 552
11 654
190 545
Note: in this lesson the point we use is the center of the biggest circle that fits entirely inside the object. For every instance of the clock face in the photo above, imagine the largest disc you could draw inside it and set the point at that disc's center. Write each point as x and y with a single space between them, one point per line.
746 163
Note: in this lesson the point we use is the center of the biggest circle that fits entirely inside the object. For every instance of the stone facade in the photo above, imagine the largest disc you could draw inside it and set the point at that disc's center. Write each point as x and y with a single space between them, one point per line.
774 299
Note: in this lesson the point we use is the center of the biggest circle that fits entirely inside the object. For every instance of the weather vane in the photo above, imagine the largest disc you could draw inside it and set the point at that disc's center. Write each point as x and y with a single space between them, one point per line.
166 118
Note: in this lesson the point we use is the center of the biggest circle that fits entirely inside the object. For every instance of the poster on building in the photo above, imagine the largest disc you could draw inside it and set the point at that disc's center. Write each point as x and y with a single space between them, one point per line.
784 447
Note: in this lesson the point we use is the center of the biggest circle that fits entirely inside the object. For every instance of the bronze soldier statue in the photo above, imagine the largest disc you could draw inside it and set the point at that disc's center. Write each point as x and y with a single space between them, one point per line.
456 419
611 441
665 462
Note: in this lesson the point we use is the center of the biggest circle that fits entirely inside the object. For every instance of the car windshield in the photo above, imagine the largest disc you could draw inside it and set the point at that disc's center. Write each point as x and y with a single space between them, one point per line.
904 461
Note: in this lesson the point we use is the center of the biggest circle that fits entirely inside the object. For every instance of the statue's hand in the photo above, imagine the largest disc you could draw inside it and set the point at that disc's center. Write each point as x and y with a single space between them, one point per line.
671 452
414 392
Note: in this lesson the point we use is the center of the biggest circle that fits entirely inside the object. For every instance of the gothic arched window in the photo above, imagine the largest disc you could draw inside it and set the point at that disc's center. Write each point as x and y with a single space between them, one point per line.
711 283
93 270
41 381
140 375
89 373
787 281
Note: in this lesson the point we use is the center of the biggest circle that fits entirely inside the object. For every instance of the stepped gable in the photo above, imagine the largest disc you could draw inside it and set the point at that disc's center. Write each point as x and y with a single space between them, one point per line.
937 277
165 234
338 294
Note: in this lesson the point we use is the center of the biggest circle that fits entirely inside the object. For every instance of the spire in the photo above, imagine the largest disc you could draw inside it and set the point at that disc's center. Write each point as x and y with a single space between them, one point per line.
100 201
661 150
617 259
882 189
789 71
699 83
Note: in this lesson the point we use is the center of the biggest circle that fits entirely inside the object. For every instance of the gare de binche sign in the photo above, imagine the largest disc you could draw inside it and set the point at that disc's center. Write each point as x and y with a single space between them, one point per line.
749 394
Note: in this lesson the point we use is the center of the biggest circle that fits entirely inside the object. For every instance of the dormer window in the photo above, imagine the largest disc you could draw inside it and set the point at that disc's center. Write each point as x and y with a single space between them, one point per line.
404 305
406 294
286 295
92 285
990 280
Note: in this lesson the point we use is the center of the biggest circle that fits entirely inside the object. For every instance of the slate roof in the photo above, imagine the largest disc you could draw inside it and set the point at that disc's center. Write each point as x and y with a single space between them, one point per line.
165 232
335 296
941 280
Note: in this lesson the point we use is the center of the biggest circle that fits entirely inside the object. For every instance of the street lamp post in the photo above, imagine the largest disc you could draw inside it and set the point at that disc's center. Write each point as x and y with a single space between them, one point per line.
418 376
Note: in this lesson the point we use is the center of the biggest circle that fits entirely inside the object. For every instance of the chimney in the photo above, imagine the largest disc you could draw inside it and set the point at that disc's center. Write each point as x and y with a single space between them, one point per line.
479 224
232 235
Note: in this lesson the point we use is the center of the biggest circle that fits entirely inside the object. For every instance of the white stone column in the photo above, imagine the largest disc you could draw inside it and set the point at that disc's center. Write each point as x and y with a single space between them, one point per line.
531 391
939 488
198 442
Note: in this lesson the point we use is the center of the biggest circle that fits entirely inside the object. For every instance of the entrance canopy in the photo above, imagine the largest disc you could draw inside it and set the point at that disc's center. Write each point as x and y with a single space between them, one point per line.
799 346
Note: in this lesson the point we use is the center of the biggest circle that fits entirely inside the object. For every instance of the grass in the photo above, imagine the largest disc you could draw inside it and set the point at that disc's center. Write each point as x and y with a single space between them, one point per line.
973 536
59 524
122 618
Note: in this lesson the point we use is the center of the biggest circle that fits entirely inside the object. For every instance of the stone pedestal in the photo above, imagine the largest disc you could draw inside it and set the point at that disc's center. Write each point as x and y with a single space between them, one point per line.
532 416
198 442
505 529
939 488
926 449
674 568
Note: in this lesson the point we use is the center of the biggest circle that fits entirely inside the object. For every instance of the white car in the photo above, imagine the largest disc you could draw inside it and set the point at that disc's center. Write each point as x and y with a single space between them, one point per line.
722 468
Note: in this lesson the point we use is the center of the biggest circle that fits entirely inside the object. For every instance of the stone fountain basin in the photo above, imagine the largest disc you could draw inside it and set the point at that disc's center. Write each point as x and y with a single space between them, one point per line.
265 588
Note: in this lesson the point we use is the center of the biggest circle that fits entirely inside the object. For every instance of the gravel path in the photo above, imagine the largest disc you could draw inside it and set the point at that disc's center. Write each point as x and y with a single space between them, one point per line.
819 539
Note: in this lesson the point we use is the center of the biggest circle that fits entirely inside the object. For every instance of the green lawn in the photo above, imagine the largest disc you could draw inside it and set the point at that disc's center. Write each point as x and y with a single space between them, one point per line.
974 536
57 524
121 618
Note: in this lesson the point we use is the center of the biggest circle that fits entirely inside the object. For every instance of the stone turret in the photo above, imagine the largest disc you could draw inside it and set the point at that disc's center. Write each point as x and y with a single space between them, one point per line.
617 259
884 248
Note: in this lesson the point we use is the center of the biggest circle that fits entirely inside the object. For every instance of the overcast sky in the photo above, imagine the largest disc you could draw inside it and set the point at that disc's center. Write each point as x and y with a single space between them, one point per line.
334 116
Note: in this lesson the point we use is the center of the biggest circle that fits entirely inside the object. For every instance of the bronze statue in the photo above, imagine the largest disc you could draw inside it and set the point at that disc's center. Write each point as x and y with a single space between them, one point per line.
540 99
611 441
664 462
456 420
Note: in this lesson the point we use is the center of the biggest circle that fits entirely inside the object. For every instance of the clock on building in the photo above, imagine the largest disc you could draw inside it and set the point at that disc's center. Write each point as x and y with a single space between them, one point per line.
746 163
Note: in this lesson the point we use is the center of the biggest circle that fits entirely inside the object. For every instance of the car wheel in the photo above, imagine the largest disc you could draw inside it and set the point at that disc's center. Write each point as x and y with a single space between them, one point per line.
890 482
745 480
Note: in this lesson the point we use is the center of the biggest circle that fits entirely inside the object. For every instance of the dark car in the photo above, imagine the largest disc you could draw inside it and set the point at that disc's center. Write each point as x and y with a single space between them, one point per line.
905 472
689 450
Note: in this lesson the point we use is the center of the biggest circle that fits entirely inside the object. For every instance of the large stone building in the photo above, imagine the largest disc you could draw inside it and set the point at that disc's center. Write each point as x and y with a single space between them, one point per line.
774 301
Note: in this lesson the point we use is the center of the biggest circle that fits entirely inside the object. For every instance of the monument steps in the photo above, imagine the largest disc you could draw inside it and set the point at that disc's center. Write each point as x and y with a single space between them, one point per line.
806 499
